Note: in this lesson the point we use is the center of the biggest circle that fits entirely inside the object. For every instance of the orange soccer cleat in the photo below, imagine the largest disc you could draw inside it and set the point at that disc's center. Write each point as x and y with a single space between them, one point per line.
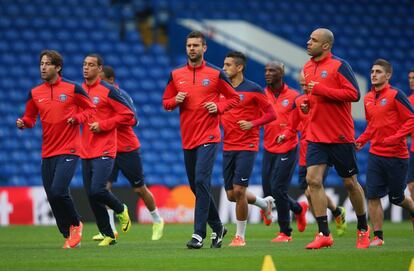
320 241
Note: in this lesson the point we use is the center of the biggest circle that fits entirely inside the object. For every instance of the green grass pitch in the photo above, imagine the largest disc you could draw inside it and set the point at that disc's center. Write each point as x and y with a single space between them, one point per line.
39 248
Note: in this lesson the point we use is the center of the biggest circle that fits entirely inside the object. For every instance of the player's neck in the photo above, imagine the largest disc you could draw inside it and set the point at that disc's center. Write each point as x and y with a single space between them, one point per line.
321 56
91 81
53 80
276 86
237 80
195 63
378 88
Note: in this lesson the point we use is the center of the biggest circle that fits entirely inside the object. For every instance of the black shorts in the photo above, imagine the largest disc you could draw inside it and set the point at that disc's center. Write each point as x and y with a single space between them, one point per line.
386 175
237 167
411 168
131 166
340 155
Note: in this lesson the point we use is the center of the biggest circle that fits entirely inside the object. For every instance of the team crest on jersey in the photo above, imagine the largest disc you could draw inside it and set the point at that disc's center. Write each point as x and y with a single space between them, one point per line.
324 74
63 97
205 82
383 102
241 97
95 100
285 102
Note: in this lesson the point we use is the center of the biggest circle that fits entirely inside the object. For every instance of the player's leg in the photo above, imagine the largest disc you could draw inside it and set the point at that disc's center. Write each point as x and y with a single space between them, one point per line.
243 169
48 168
410 179
280 182
190 159
268 171
130 164
317 158
377 187
207 211
63 174
397 172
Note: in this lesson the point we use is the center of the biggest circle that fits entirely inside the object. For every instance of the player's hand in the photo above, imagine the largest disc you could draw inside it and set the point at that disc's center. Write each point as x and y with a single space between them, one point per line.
245 125
311 84
71 121
180 97
211 107
94 127
20 123
280 139
358 146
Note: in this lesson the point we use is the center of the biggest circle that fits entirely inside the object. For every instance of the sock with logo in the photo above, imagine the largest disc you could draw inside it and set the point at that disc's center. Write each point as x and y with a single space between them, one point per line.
323 225
336 212
362 222
379 234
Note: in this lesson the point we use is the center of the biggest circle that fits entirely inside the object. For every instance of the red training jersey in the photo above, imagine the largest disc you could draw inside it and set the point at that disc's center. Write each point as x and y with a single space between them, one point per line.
112 111
254 107
390 119
411 100
56 103
330 100
127 139
299 121
282 101
202 84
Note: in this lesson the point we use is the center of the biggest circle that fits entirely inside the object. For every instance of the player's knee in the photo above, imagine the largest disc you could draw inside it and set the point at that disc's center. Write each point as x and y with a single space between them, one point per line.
57 192
238 192
97 193
350 184
141 191
314 182
397 200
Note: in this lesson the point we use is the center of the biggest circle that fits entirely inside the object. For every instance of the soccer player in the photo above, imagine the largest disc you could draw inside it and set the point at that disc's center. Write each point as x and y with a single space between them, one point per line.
62 106
411 163
299 121
195 88
280 156
241 142
128 160
390 118
331 88
99 147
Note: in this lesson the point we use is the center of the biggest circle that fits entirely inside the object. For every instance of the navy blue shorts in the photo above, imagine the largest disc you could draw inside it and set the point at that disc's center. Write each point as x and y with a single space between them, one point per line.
411 168
386 175
277 168
340 155
303 184
237 167
131 166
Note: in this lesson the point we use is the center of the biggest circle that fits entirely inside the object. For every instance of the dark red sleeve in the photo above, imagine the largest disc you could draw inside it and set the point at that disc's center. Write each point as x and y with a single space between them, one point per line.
168 99
124 115
31 112
269 113
294 122
367 134
406 113
225 88
82 100
348 91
